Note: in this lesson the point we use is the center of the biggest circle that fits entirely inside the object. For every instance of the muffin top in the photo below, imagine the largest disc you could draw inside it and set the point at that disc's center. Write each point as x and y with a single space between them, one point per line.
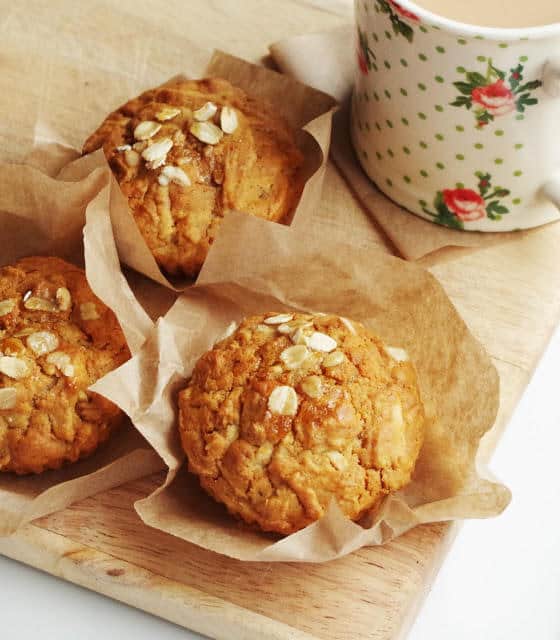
293 410
56 339
187 152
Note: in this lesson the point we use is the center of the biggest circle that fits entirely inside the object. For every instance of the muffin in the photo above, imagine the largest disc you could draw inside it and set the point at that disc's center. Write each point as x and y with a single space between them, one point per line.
187 152
293 410
56 339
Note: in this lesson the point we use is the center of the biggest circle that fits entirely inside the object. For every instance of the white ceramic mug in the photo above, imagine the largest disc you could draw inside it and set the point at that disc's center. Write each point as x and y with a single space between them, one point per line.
459 124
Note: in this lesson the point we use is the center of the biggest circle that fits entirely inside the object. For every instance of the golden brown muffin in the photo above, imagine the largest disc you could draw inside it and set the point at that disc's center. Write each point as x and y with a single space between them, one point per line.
187 152
56 339
293 410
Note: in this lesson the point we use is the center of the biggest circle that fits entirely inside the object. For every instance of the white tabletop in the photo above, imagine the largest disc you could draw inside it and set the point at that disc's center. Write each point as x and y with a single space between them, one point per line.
501 580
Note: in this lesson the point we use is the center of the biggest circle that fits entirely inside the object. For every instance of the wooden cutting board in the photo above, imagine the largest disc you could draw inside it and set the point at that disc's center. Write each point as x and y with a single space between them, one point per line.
509 296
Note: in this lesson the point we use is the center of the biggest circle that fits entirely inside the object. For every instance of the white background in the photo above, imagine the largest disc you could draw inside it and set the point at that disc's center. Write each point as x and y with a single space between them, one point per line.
501 580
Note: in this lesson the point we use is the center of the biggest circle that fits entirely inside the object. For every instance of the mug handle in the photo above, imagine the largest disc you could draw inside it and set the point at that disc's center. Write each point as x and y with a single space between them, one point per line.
551 86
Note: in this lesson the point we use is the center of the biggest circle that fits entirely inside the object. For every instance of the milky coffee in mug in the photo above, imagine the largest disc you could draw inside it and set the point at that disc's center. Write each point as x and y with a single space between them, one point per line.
494 13
456 109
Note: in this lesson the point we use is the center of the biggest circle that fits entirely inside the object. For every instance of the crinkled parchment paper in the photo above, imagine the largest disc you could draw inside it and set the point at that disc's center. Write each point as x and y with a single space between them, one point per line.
307 110
254 267
41 215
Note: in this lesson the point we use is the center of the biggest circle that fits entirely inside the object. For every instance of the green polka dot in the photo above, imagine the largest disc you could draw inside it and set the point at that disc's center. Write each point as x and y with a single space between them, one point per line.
520 117
440 166
518 173
388 35
376 95
460 185
499 133
518 146
405 122
387 93
423 29
389 124
366 97
378 126
481 58
438 107
439 79
367 127
391 153
379 156
422 116
436 28
407 179
461 41
460 128
421 86
404 92
503 45
440 49
460 156
523 58
440 137
387 64
406 150
423 145
461 70
404 62
424 173
389 182
374 66
499 161
479 37
516 201
423 57
479 145
375 37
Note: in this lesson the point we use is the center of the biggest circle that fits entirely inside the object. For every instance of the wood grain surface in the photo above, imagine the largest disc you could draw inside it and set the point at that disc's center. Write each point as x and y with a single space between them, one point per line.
509 296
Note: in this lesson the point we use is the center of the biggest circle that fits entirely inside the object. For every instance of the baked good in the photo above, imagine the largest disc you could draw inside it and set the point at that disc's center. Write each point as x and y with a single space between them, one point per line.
56 339
293 410
187 152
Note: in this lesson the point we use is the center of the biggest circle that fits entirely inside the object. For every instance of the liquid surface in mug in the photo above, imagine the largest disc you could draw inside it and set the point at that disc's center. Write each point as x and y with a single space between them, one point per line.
493 13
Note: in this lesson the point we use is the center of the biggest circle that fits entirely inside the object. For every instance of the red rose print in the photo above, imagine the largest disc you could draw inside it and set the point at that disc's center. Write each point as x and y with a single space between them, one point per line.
466 204
405 13
495 98
362 62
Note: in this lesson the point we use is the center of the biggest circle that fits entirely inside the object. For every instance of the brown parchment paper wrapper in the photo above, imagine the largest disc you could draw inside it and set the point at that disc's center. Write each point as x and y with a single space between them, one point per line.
400 301
412 236
307 110
41 215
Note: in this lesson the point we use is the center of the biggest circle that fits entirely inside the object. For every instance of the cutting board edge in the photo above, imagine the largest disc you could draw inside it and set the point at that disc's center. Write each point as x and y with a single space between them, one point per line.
135 586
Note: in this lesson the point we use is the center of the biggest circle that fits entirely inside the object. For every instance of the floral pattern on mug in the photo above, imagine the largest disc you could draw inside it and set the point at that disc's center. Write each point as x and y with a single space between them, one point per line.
396 14
495 94
364 53
454 207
